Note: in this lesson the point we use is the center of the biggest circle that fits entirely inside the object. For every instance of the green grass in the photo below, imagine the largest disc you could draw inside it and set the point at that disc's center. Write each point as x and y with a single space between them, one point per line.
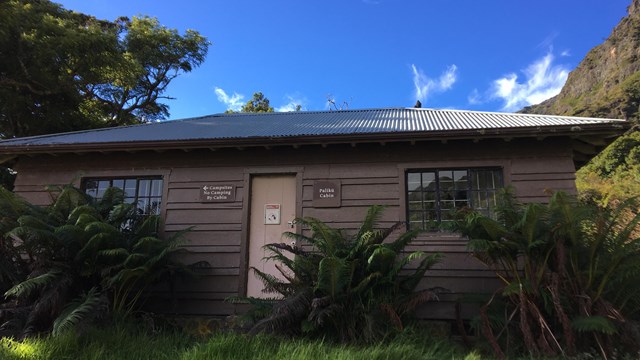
132 343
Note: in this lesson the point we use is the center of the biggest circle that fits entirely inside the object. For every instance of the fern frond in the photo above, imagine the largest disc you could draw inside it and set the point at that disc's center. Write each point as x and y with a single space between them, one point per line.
272 284
598 324
286 314
87 306
28 286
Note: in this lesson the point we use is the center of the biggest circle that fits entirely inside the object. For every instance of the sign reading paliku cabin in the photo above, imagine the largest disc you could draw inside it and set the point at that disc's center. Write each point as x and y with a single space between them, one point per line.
218 193
326 193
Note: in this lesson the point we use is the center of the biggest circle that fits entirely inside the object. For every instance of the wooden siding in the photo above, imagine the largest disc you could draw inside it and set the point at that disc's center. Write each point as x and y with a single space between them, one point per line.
369 174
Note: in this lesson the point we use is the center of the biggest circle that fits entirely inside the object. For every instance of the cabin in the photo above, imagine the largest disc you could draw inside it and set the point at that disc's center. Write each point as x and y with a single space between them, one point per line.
241 179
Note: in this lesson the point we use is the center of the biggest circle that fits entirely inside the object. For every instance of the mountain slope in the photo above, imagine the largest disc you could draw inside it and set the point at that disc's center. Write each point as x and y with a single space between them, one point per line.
607 84
607 81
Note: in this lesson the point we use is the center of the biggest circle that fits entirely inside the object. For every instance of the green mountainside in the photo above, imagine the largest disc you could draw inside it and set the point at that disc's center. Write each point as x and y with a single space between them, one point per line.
606 84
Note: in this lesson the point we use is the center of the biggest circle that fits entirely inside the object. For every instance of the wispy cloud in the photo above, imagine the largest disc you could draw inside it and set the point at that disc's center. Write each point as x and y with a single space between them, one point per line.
542 79
547 43
233 102
565 53
425 86
474 98
292 103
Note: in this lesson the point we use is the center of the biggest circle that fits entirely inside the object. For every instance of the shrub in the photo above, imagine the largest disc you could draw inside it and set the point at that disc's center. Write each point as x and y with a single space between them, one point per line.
570 273
355 288
85 258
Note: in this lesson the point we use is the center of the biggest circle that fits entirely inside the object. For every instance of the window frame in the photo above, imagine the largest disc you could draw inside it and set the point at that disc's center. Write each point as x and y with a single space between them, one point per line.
437 205
161 194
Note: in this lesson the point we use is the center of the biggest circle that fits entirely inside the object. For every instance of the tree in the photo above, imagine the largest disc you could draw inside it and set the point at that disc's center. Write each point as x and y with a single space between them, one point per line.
258 104
63 71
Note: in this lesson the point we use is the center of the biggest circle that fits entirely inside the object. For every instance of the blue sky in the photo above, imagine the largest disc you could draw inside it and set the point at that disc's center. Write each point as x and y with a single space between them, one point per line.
493 55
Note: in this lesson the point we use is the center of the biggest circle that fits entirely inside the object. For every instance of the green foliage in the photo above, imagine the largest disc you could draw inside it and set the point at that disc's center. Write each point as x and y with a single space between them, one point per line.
565 266
13 266
59 64
594 324
79 310
614 174
258 104
347 287
85 257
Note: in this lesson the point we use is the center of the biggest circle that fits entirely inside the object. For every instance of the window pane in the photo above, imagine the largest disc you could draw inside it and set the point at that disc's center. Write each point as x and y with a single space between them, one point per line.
461 195
429 181
460 179
445 179
144 188
119 183
429 204
446 205
447 195
415 200
91 188
413 181
102 186
130 188
143 206
155 204
415 220
156 187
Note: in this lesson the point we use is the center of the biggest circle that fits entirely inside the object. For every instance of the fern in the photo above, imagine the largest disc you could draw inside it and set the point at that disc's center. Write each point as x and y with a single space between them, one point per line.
77 244
598 324
341 286
29 286
82 309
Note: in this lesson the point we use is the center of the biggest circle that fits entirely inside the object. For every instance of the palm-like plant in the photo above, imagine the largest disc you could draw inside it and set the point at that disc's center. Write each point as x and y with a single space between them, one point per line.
355 288
570 270
86 255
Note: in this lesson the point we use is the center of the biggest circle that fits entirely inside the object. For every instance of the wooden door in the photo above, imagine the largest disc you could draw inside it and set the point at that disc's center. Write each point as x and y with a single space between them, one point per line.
273 208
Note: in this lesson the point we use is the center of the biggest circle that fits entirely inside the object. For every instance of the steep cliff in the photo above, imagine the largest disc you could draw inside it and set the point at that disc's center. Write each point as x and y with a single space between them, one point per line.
607 81
607 84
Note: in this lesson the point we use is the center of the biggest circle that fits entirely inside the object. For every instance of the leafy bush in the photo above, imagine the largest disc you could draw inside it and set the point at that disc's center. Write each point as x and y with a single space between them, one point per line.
350 288
570 273
85 258
614 174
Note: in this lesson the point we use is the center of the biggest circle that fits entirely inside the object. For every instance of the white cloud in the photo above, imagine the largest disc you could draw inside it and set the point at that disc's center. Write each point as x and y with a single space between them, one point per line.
425 86
474 98
292 102
542 80
565 53
233 102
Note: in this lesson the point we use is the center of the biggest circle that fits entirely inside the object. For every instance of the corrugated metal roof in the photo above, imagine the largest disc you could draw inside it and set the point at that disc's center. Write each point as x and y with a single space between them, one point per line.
316 123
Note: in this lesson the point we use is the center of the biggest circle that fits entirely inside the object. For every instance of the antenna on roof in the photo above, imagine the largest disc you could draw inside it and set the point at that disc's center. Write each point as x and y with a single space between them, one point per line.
418 104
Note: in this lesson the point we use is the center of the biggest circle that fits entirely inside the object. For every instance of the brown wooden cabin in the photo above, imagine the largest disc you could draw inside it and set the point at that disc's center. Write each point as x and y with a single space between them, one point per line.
239 179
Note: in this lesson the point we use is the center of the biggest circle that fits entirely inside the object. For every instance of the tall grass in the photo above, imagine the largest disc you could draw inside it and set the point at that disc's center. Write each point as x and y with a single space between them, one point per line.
132 343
